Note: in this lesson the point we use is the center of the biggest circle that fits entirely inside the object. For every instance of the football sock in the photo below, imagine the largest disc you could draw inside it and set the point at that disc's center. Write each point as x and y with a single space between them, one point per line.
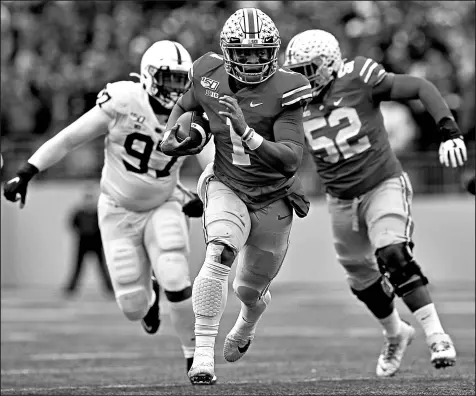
210 292
428 319
391 324
183 319
250 315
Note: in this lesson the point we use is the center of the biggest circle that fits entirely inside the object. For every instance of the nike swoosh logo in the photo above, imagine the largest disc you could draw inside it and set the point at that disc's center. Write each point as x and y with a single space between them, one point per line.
245 348
255 104
282 217
337 102
147 327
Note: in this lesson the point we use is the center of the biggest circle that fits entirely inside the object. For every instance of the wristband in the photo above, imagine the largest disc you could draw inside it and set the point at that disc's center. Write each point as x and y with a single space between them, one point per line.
27 171
253 139
247 133
448 129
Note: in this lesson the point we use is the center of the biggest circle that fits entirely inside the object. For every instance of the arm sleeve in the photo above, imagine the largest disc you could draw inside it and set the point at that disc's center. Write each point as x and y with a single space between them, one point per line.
297 96
370 72
405 87
289 126
91 125
188 102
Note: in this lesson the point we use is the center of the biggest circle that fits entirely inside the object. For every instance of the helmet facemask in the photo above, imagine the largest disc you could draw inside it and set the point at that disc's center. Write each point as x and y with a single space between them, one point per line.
318 71
167 85
251 63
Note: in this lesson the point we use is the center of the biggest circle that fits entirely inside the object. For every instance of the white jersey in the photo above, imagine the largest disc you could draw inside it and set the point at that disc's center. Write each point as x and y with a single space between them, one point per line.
136 175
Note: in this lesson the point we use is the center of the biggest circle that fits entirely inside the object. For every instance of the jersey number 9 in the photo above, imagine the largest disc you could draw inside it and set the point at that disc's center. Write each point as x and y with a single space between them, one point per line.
144 155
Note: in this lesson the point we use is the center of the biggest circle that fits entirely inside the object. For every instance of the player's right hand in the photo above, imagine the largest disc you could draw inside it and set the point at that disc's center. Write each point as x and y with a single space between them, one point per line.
452 148
171 146
15 189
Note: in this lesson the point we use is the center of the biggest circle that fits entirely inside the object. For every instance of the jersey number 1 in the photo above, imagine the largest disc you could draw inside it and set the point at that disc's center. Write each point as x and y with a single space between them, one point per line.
239 156
346 143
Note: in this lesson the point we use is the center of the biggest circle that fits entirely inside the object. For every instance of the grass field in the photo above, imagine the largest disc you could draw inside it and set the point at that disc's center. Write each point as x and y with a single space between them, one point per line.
314 339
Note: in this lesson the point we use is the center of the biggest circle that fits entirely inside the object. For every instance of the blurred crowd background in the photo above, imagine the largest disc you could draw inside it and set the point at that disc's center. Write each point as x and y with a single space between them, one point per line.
57 55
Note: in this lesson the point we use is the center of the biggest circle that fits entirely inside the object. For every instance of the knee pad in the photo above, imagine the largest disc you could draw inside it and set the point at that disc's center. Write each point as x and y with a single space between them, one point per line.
396 262
378 298
133 303
206 292
221 253
125 262
173 271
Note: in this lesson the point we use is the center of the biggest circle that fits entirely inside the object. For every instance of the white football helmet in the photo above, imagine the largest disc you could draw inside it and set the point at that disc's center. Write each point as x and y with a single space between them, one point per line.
315 54
250 43
164 71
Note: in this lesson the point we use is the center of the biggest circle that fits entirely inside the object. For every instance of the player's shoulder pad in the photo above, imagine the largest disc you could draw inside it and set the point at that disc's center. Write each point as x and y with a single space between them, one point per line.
204 64
293 87
364 69
117 97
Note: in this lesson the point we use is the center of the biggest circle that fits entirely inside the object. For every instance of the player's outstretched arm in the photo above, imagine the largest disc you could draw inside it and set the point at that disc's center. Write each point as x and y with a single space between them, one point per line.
404 87
285 154
89 126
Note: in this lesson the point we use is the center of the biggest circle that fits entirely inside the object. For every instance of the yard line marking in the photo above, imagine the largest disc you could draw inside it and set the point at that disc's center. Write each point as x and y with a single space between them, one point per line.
86 355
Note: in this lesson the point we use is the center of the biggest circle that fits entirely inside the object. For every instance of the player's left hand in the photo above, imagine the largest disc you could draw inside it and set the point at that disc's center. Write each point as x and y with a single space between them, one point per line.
452 148
234 113
194 207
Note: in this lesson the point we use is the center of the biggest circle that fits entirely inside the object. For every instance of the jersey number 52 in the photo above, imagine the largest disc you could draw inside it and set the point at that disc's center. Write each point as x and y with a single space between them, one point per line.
346 143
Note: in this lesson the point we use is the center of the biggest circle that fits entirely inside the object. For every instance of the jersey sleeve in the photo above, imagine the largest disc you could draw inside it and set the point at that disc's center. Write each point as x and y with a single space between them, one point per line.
298 91
289 126
114 99
369 72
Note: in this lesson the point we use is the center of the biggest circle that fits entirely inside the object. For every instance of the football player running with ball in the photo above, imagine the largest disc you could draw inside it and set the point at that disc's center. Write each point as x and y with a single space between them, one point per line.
142 205
368 194
255 109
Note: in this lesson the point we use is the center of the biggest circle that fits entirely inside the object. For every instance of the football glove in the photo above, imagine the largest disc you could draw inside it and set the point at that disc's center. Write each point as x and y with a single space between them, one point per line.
15 189
194 207
452 148
171 146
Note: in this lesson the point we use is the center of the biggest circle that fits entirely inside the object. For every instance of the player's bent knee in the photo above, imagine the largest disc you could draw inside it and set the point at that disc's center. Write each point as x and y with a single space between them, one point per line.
397 263
220 252
173 271
134 303
247 295
377 297
178 296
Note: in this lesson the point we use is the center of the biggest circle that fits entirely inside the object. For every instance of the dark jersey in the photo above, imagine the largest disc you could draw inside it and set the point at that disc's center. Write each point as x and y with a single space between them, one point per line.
346 133
241 169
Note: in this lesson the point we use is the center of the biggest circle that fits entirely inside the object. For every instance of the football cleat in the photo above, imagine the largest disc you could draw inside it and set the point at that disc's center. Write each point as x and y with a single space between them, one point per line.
391 356
234 347
151 321
443 353
203 372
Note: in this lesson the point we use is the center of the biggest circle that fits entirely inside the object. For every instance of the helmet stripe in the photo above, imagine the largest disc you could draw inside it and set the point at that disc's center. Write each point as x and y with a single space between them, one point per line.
250 23
255 19
290 48
179 55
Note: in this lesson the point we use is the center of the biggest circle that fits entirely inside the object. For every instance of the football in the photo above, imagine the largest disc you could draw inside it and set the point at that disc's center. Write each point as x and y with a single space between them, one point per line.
195 125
